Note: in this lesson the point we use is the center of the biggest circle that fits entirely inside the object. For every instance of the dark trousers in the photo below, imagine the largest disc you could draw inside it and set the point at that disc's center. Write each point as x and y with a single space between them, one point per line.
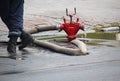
14 16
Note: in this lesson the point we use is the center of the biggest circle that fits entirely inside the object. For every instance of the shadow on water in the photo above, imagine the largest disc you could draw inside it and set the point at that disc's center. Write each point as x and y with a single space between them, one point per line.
11 72
4 54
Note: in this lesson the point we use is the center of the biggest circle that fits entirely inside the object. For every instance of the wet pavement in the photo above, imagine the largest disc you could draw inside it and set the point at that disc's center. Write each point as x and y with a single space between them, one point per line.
40 64
95 11
102 64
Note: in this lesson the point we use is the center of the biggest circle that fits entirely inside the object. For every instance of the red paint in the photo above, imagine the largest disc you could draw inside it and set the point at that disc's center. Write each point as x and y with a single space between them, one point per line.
72 27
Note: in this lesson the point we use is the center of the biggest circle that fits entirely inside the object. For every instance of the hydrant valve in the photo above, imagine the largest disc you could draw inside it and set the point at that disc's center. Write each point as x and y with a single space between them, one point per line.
72 27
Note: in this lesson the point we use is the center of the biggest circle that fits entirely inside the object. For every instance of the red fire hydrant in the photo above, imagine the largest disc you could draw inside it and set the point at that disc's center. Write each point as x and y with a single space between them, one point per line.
72 27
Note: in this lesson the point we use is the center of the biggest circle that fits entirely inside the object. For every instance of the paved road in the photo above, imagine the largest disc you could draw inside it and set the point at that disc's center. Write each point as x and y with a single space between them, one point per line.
89 10
39 64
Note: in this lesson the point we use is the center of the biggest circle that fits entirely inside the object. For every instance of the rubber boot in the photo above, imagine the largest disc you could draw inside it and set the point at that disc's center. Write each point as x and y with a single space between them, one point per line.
26 39
11 48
